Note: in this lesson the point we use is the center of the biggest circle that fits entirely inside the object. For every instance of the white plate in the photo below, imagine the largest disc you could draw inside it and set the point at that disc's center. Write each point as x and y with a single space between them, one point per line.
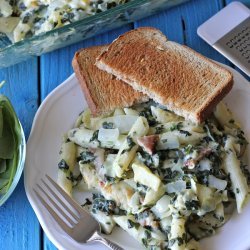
57 114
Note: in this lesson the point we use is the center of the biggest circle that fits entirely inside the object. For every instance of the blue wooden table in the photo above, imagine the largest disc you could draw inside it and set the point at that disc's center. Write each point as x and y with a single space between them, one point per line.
30 82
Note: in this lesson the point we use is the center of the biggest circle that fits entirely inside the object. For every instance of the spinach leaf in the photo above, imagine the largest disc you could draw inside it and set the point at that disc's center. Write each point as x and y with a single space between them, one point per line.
2 166
86 157
63 165
3 185
12 166
108 125
10 139
7 141
132 224
1 122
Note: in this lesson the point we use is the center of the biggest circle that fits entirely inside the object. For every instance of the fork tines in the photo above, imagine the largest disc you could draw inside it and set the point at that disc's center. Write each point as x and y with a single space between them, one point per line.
58 203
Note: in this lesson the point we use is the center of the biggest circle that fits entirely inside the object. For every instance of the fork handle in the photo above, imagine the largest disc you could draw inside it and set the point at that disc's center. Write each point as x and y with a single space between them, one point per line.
97 237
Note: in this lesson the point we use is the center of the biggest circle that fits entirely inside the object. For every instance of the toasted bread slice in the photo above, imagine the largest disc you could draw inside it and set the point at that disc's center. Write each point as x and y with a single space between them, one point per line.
102 91
172 74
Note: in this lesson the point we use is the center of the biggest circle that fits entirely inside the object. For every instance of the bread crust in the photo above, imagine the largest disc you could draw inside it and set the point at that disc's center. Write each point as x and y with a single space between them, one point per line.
103 92
83 83
174 75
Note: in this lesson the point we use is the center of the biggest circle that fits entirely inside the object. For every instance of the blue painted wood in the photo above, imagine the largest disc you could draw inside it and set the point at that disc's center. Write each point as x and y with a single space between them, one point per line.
169 22
19 226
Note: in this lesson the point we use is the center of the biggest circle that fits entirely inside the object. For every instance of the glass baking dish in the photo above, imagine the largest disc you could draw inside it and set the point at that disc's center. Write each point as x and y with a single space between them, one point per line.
136 9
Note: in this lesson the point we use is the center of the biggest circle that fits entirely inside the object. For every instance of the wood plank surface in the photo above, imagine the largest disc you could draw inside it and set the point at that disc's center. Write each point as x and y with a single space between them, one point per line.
19 227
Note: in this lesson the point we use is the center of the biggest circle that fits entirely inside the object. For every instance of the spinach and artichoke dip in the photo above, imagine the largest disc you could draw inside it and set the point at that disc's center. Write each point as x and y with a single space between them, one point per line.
164 180
20 19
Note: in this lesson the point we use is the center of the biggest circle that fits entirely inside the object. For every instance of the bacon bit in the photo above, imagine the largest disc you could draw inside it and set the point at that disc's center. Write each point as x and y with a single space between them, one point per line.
190 163
205 152
102 184
148 143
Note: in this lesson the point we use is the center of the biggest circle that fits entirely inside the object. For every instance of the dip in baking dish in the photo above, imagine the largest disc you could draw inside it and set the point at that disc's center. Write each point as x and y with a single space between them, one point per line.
20 19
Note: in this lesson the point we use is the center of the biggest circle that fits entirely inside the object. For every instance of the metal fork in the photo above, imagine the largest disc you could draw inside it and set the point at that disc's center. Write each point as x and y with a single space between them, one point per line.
72 218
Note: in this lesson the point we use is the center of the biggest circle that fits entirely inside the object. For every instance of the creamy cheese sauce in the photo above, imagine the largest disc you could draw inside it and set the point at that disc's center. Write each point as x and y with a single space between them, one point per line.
37 16
166 187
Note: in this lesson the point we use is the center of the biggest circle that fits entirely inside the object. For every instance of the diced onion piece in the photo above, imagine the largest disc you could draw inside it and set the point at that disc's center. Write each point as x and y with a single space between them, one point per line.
108 134
216 182
161 205
124 122
168 141
176 187
205 164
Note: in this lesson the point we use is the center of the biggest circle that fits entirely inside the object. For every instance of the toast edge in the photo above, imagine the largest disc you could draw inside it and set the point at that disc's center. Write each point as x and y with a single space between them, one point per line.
209 107
82 82
125 34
